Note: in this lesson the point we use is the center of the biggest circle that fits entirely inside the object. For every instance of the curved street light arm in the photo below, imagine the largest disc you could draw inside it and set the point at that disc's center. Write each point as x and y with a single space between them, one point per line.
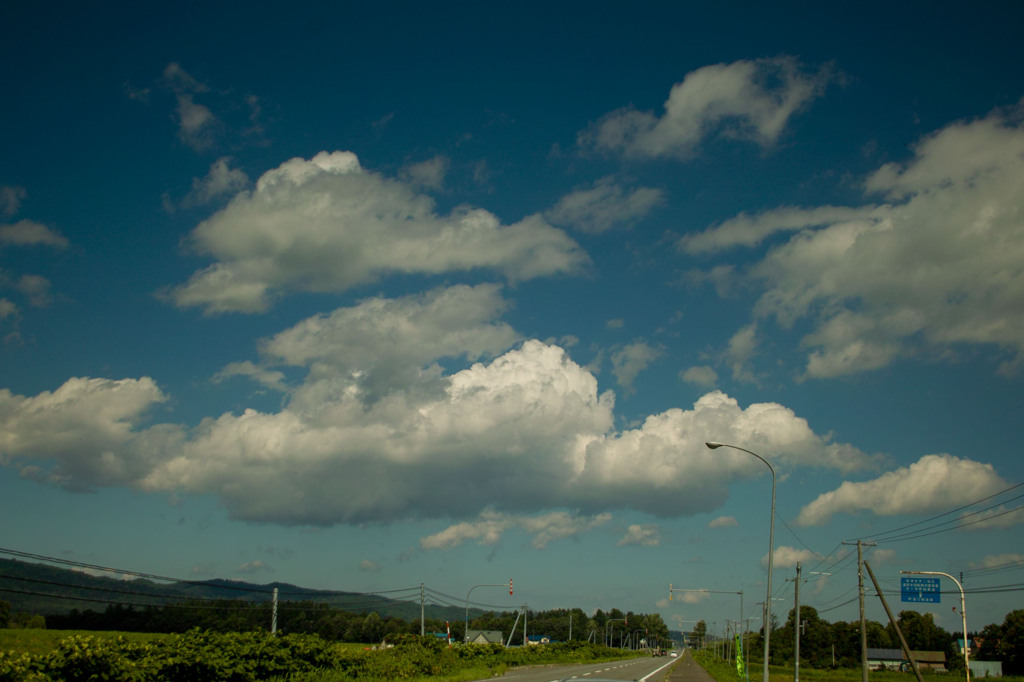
963 614
714 445
465 632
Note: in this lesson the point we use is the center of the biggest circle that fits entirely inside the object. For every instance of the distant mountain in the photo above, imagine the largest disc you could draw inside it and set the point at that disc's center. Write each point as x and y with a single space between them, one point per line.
49 590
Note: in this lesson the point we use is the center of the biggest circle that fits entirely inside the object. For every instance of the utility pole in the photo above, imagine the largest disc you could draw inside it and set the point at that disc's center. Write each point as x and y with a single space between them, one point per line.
273 615
796 625
863 625
895 625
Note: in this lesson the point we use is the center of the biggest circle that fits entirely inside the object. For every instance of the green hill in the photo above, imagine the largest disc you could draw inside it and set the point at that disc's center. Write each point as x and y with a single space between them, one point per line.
50 590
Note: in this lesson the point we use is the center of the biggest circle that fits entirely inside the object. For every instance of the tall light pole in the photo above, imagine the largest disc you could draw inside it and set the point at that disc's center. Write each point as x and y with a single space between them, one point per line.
771 550
465 634
963 614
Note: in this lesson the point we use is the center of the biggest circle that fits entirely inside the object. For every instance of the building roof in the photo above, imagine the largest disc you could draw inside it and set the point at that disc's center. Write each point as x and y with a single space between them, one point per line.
886 654
897 655
489 636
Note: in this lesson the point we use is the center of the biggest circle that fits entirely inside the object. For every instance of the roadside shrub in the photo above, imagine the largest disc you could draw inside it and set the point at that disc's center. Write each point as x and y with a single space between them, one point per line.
204 656
20 668
87 659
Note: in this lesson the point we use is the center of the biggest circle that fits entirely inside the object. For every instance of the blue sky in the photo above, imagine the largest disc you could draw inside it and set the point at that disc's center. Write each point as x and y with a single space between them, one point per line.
362 297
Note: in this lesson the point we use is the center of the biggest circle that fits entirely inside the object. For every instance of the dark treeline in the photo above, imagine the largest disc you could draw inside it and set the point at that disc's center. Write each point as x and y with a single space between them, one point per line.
837 645
308 617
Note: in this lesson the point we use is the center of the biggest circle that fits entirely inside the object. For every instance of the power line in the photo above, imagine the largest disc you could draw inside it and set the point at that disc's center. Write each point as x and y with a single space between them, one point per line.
921 534
218 584
947 513
1014 565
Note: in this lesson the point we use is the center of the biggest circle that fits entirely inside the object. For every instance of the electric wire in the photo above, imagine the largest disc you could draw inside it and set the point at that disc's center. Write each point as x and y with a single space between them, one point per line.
345 600
880 536
220 585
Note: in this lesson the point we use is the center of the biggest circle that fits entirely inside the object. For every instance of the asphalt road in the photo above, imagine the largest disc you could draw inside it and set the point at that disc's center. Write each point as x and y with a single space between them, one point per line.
646 668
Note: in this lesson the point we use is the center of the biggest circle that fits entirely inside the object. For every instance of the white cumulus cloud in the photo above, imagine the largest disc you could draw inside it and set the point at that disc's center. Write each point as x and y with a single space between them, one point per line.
629 361
84 434
196 123
1008 560
692 596
490 526
747 100
938 267
789 557
604 205
326 225
30 233
701 375
933 483
642 534
723 522
219 181
375 428
11 197
427 174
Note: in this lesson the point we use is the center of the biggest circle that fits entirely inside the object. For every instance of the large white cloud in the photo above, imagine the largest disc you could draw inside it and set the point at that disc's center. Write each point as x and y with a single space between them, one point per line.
86 433
664 468
938 267
384 344
933 483
326 225
527 431
380 430
750 100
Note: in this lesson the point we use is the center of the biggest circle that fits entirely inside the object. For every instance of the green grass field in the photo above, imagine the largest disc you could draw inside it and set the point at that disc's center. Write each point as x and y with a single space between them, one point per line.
725 672
44 641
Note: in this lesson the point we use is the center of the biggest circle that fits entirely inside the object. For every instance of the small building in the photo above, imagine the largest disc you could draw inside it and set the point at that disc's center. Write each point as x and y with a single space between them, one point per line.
932 661
884 659
986 668
893 659
485 637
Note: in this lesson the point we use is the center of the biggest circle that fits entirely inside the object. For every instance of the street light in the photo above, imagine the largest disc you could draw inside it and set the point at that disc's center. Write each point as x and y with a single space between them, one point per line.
963 614
771 550
608 639
465 634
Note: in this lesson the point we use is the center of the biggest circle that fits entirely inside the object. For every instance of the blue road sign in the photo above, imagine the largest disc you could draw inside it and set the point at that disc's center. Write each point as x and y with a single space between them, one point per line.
919 589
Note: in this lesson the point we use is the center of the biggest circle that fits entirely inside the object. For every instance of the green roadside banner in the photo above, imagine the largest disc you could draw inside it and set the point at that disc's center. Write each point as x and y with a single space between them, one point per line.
739 656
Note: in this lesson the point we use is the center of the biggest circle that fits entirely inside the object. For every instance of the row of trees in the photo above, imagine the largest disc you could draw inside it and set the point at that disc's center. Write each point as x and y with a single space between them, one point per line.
620 627
331 623
838 645
19 619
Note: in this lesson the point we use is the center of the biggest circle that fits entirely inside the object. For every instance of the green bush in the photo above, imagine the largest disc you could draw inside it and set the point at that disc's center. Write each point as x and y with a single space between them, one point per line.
207 656
204 656
20 668
89 659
